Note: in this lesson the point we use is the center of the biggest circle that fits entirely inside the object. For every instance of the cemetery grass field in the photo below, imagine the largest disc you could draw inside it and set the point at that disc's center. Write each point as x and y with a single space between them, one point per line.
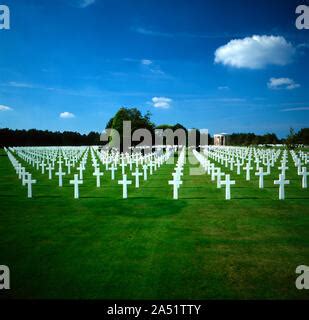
150 246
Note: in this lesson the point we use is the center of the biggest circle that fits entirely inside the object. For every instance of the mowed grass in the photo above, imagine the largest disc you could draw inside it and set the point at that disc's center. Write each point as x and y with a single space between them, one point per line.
150 246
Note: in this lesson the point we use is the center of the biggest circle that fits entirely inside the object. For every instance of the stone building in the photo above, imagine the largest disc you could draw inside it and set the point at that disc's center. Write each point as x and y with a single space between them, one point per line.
220 139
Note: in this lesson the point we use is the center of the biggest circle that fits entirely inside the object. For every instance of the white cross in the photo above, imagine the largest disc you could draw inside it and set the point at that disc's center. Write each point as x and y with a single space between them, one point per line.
176 184
106 165
98 174
21 172
238 165
69 165
130 164
60 173
17 168
43 165
232 161
177 174
113 169
305 174
125 184
76 182
268 167
23 177
137 174
213 172
218 174
49 169
123 165
151 165
29 182
155 165
261 175
145 167
283 168
281 182
228 184
247 168
60 162
81 169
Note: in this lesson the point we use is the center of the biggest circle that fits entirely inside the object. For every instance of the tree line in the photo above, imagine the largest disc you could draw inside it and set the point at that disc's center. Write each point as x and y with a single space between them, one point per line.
34 137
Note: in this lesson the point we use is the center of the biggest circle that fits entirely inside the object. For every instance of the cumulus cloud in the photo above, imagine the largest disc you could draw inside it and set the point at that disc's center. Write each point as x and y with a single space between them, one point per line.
146 62
255 52
66 115
5 108
282 83
161 102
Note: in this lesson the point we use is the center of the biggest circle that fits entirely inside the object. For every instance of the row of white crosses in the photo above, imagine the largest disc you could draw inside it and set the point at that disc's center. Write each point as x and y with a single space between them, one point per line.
45 158
78 177
300 161
67 159
42 158
178 173
250 155
232 157
210 169
113 159
25 177
261 157
152 161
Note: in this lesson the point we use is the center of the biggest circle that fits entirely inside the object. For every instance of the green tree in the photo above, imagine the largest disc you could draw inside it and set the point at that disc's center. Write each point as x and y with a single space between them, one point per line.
138 121
303 136
291 139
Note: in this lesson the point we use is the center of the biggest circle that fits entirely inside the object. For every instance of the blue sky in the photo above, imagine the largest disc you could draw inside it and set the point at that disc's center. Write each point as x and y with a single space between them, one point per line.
231 66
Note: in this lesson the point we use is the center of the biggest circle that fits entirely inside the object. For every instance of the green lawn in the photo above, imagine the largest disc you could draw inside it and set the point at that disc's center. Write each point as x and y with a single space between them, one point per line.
150 246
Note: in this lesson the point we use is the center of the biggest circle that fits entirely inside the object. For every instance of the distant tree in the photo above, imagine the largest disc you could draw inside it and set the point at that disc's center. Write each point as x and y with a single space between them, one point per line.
291 139
138 121
33 137
303 136
270 138
165 126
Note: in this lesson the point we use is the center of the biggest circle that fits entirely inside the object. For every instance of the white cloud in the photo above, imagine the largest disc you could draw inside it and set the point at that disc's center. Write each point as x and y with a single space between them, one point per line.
161 102
223 88
255 52
20 84
83 3
282 83
146 62
5 108
296 109
66 115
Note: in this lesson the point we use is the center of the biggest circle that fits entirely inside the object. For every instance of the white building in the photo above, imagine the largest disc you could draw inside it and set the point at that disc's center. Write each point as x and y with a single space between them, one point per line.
220 139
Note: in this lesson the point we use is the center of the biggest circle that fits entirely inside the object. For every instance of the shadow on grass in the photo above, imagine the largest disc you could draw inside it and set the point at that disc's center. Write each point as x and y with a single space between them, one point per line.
155 208
46 197
248 198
